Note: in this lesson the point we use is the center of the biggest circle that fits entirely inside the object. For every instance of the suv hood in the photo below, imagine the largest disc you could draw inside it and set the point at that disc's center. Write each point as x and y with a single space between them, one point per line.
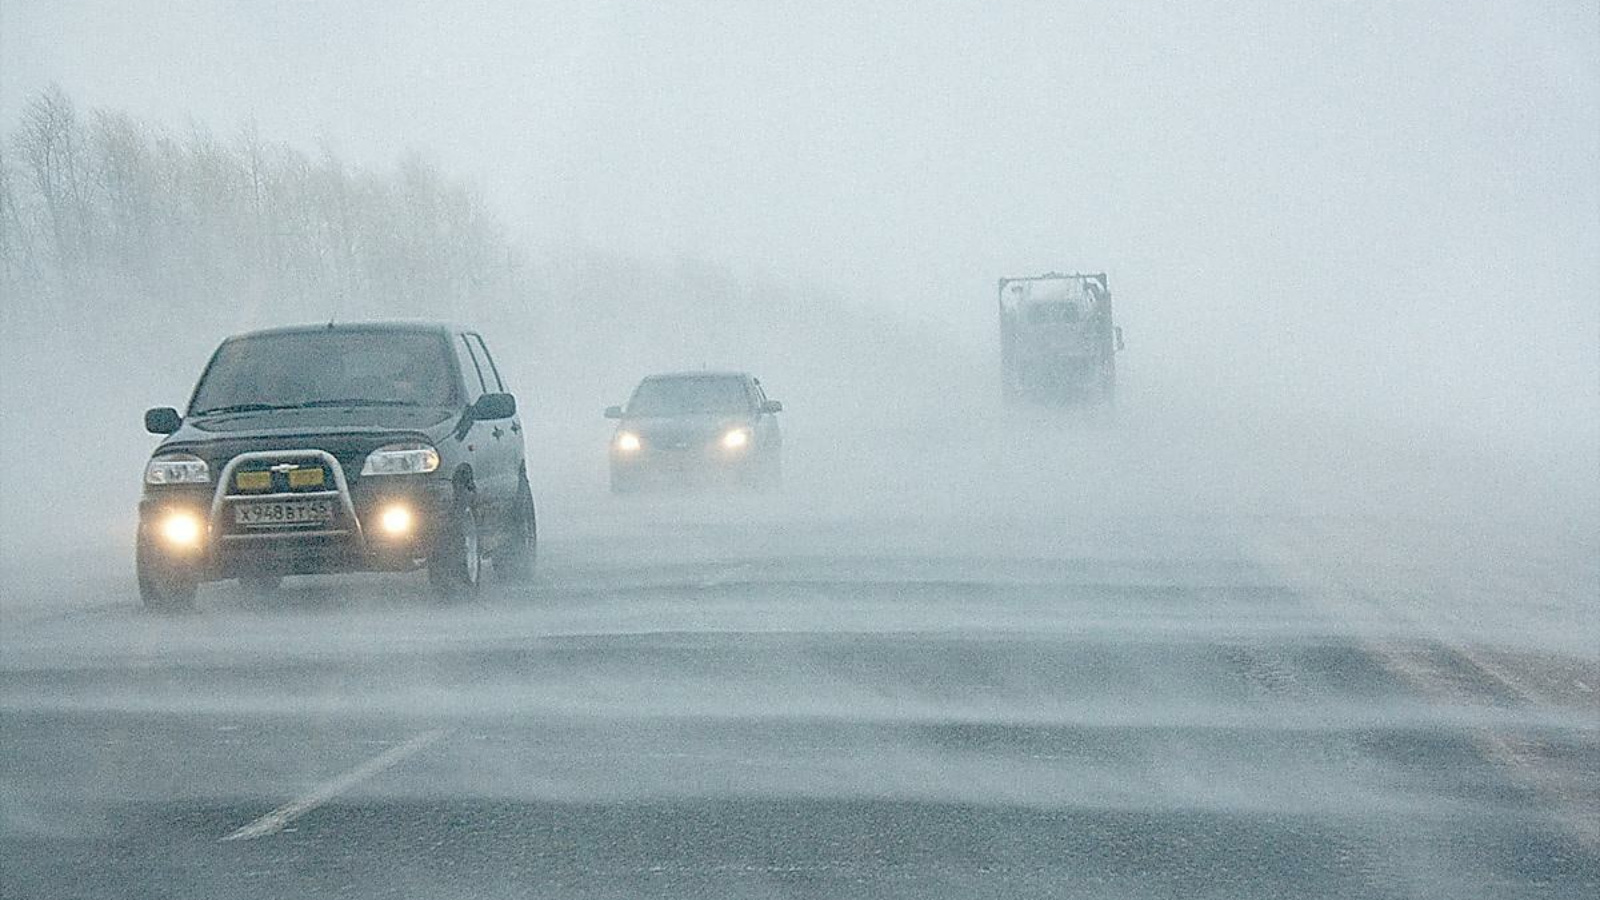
268 423
348 434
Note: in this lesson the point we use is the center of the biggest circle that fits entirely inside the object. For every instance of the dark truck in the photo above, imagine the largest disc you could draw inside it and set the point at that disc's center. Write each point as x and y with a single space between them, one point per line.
337 448
1058 342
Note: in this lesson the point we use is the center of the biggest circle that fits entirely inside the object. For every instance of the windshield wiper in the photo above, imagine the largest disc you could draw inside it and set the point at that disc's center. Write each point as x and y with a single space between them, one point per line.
242 408
309 404
354 401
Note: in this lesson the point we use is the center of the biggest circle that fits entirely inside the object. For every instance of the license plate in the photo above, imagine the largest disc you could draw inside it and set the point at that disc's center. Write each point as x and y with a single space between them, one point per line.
287 512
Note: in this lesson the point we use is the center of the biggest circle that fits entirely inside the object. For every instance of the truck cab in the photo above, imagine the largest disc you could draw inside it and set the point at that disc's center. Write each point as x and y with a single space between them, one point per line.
1058 339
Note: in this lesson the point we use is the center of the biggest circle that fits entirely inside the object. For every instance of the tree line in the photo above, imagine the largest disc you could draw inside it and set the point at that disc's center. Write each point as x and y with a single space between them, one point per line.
105 217
122 239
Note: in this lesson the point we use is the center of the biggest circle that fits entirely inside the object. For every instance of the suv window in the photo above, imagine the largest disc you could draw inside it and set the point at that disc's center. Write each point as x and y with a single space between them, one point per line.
491 372
471 372
301 368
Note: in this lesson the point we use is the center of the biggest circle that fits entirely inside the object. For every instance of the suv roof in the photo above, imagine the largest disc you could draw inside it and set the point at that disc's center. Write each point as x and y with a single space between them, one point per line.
397 326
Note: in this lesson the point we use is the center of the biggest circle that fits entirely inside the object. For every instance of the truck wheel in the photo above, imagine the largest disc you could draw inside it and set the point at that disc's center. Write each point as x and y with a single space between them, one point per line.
456 563
515 558
164 585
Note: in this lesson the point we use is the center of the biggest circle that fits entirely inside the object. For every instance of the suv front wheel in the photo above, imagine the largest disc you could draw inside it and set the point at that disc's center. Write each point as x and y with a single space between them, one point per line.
165 584
456 564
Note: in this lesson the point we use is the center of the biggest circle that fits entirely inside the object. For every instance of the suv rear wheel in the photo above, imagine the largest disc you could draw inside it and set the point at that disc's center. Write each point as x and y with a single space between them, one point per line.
514 559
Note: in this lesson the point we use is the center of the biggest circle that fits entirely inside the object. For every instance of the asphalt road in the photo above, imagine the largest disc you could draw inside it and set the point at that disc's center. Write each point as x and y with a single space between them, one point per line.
714 699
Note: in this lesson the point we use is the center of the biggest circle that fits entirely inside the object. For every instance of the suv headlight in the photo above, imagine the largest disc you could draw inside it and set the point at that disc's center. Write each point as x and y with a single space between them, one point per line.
177 468
401 459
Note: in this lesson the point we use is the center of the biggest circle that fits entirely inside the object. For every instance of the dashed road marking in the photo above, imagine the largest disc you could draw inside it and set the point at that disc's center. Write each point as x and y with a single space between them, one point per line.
275 821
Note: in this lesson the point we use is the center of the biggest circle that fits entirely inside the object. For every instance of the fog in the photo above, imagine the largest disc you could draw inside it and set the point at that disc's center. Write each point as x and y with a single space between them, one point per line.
1369 234
1354 248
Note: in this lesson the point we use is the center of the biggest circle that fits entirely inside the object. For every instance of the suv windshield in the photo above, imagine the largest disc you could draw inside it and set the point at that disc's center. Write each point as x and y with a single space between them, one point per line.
682 396
324 368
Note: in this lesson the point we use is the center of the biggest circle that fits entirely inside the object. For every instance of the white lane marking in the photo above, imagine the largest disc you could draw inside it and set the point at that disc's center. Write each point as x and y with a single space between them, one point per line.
274 822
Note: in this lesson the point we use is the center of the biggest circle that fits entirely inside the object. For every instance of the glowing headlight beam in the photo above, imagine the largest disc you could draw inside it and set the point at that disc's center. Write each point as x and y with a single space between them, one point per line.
182 529
395 520
628 442
736 439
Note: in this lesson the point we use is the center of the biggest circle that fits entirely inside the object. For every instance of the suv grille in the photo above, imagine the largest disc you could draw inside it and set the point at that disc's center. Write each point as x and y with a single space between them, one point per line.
284 492
267 477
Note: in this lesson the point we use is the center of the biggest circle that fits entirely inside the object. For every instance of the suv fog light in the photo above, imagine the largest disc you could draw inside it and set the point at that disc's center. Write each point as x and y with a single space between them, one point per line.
395 520
182 530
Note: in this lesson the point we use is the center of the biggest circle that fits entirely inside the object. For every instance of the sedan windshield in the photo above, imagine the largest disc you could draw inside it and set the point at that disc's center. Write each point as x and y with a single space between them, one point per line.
331 368
686 396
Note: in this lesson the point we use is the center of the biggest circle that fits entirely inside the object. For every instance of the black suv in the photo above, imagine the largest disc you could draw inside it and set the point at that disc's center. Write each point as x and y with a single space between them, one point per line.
337 448
697 427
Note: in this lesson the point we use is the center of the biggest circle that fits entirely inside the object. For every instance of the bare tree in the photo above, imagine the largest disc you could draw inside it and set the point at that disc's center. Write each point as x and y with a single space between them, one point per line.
18 267
124 177
232 230
48 142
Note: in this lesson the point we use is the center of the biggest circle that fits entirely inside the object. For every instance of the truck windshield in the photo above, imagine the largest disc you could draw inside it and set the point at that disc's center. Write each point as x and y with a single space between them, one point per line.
681 396
1054 313
324 368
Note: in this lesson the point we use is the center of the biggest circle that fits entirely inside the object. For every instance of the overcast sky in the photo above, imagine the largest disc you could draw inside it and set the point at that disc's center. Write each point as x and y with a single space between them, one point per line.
1424 177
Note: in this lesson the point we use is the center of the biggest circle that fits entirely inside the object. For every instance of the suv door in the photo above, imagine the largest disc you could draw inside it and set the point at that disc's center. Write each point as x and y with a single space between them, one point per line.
473 434
498 444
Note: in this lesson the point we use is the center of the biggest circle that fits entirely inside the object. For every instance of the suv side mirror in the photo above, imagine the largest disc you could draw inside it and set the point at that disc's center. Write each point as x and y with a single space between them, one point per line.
494 406
162 420
772 406
613 412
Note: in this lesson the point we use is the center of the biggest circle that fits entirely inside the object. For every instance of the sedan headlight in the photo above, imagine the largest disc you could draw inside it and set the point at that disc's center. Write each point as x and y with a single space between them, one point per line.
177 468
401 459
736 439
628 442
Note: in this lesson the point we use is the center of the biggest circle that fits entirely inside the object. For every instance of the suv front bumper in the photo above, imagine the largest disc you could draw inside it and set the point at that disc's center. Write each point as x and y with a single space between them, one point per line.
380 523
